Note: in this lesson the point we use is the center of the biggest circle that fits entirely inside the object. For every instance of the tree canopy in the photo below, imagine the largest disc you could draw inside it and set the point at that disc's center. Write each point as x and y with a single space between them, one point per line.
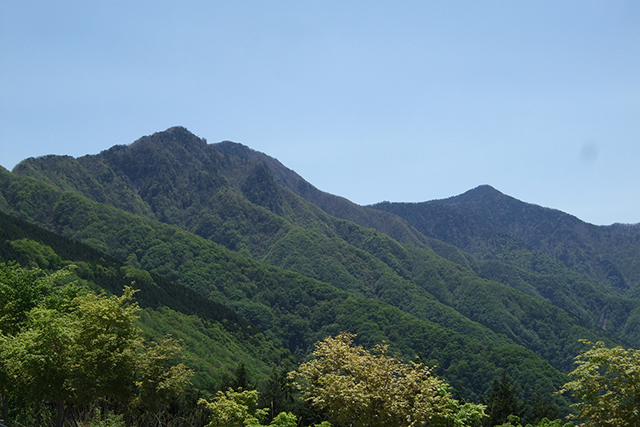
356 387
607 384
69 346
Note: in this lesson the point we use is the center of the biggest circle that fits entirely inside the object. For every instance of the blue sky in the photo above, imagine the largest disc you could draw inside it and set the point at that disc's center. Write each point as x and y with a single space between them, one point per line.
398 101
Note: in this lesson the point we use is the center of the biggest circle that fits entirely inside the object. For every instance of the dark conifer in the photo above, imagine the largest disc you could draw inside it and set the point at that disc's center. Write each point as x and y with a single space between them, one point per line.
501 402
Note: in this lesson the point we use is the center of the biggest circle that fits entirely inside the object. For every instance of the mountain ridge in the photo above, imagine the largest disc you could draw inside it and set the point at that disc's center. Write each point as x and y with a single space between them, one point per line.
431 339
456 263
580 246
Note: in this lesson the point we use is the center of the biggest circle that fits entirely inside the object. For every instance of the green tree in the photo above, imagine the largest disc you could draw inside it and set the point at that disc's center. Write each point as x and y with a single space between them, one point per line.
67 346
283 419
277 394
241 377
233 408
514 421
21 291
78 355
39 358
239 409
107 346
358 388
502 401
159 379
607 384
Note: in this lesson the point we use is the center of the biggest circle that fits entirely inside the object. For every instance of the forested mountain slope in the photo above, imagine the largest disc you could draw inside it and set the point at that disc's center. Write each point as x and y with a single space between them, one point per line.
216 338
227 194
294 267
590 271
293 310
472 221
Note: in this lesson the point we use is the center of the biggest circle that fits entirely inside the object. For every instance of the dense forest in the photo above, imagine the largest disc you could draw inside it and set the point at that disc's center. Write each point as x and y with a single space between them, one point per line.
247 267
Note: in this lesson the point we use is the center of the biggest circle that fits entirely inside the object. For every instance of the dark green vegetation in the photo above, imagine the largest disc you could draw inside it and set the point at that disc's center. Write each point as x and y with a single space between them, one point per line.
251 265
592 272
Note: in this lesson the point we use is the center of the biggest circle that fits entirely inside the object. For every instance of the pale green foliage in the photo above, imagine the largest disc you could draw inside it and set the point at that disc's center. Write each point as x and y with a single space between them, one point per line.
159 379
467 414
238 409
109 420
66 345
233 408
607 384
283 419
79 355
358 388
22 290
514 421
40 255
39 358
107 346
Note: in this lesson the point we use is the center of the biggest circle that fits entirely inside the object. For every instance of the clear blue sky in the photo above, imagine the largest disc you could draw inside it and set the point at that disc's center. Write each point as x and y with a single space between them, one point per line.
370 100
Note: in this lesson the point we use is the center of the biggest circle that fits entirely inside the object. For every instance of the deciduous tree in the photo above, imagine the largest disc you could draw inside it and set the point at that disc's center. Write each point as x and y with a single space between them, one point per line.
68 346
358 388
607 384
233 408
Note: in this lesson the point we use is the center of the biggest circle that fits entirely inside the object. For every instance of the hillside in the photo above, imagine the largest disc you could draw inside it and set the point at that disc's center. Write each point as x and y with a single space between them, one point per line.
169 308
605 254
243 230
293 310
591 271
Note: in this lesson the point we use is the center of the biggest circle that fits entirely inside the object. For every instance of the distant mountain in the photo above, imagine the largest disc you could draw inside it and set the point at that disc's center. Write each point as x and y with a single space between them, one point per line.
538 248
607 254
474 284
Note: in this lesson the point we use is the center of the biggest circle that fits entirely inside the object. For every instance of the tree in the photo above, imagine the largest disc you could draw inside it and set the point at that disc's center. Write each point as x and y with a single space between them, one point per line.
607 384
21 291
358 388
502 401
77 352
239 409
283 419
107 346
514 421
158 378
67 346
242 377
233 408
277 394
38 359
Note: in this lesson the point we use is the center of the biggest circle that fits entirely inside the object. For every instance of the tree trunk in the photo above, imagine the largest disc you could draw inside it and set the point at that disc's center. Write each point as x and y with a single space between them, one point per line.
5 405
59 413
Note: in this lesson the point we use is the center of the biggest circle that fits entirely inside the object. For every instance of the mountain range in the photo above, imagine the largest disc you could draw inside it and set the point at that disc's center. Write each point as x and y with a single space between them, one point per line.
266 264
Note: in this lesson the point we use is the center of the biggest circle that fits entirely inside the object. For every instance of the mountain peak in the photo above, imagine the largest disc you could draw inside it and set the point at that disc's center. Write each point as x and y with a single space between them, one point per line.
485 189
483 192
172 137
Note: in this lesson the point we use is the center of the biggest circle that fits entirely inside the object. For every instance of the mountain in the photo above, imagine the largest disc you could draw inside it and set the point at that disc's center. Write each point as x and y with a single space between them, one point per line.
606 254
291 309
168 307
241 229
517 242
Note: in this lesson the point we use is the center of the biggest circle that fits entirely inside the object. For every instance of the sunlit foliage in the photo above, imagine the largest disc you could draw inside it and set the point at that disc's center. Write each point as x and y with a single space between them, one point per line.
359 388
